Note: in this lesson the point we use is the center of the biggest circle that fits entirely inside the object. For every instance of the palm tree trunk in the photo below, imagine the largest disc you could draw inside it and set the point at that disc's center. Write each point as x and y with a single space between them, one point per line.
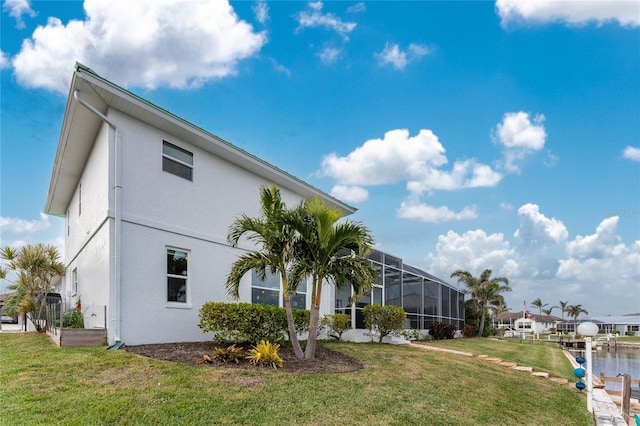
314 320
293 334
481 328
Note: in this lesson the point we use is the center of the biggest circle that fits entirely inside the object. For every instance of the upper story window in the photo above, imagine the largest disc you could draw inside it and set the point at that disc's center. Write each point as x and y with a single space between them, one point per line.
177 161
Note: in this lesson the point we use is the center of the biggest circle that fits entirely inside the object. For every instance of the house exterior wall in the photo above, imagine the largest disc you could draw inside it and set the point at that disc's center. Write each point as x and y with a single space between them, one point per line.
161 211
87 235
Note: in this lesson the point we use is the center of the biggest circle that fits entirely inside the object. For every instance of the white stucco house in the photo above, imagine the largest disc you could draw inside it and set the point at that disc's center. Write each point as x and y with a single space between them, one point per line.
528 322
147 200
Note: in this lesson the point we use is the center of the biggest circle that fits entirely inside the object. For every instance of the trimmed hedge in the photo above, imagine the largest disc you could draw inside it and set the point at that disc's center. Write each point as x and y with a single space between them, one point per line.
249 322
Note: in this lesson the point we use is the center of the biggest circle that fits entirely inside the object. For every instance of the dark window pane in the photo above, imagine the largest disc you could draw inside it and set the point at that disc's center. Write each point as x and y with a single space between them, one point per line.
445 302
266 297
415 321
299 301
377 296
411 293
342 297
176 262
364 301
176 152
178 169
176 289
376 255
392 287
396 262
270 281
359 319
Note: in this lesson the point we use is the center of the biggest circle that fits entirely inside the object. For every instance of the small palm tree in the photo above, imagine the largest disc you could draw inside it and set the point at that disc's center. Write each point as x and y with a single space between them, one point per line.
548 311
562 307
35 265
485 290
574 312
332 252
538 303
275 240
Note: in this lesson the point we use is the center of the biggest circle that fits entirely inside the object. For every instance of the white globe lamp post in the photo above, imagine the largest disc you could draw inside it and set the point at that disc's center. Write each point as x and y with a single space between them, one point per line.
589 331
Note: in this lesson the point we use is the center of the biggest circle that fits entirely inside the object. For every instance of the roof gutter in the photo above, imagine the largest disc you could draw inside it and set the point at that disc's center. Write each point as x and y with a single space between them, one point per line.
114 290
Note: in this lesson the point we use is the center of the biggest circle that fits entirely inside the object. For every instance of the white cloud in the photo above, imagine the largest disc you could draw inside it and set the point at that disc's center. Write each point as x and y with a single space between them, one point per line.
506 206
388 160
538 230
391 54
632 153
418 160
4 61
261 11
156 43
350 194
427 213
313 17
17 9
624 12
602 259
329 55
519 136
357 8
473 251
604 243
18 226
590 270
279 67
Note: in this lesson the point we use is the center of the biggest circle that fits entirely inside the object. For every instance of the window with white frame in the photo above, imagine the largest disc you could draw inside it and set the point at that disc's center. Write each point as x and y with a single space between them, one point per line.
177 275
177 161
265 291
74 282
299 300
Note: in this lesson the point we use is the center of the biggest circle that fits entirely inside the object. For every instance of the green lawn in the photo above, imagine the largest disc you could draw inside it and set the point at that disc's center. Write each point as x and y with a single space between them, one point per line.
542 356
43 384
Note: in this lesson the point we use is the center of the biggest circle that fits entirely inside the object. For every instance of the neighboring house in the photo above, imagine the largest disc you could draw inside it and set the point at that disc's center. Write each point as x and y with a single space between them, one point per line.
628 325
148 199
528 322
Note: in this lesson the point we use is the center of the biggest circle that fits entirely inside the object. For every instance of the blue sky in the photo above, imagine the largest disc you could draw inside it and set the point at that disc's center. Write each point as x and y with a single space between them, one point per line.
473 135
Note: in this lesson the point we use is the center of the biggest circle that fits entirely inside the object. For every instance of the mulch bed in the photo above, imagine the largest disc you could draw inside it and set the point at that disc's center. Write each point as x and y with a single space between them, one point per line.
327 361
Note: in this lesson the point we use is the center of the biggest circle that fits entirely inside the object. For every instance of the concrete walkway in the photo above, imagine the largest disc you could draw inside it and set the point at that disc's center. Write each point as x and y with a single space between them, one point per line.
605 411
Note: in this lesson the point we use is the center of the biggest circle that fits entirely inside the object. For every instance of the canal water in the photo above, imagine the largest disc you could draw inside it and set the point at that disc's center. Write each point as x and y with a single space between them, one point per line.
612 362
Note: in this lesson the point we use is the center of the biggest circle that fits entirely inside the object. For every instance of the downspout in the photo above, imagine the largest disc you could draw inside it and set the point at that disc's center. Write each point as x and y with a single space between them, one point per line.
117 201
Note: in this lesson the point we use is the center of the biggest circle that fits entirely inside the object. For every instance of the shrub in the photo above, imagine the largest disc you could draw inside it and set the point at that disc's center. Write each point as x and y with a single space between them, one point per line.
230 353
384 320
469 330
243 322
265 353
73 318
411 334
249 322
336 323
440 331
301 320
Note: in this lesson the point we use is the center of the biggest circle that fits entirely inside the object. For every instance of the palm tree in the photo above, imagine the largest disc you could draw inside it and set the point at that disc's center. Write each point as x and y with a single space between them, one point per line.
563 307
331 252
538 303
36 265
486 291
574 312
275 239
548 311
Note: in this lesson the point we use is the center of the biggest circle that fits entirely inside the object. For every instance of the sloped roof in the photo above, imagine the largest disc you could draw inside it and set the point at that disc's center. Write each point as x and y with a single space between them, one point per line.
80 127
530 315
